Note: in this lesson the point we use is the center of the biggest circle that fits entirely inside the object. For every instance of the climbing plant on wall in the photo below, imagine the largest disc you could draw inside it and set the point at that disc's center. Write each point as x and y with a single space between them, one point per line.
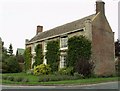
52 54
79 53
39 55
27 57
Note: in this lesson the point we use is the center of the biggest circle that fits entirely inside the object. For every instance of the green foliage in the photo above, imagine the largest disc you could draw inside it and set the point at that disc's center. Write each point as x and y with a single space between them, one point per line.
27 58
30 72
79 52
19 79
4 53
117 48
11 78
52 54
25 80
10 50
56 78
77 75
39 55
11 65
84 67
42 69
66 71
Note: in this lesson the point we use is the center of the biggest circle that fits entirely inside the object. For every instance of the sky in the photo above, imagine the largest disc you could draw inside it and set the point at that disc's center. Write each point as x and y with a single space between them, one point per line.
19 18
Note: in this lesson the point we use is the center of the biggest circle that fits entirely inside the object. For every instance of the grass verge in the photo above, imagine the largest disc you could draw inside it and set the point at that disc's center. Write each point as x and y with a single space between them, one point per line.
33 80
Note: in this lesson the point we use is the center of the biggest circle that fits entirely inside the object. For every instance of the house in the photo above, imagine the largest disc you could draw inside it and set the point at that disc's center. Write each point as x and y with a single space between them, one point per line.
20 58
20 51
95 27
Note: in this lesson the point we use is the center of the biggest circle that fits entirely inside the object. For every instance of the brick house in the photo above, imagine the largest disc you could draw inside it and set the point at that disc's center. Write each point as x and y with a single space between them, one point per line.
95 27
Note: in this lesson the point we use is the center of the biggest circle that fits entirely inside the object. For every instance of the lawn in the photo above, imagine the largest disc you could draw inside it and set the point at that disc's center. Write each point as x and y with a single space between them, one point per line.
33 80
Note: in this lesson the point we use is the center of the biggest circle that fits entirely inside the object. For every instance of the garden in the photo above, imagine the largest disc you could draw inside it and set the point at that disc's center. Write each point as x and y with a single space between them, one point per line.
78 70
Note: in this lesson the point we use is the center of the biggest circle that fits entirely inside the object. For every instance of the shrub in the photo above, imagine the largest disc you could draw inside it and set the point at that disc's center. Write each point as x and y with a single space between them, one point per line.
84 67
25 80
77 75
18 79
66 71
11 78
42 69
30 72
11 65
4 77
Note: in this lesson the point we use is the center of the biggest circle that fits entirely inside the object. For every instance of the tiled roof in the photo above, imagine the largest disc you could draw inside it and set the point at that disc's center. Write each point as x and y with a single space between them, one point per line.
62 29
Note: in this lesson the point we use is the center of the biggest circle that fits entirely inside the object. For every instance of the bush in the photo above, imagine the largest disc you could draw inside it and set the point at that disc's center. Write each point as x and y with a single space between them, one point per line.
30 72
19 79
84 67
56 78
25 80
11 65
4 77
77 75
11 78
66 71
42 69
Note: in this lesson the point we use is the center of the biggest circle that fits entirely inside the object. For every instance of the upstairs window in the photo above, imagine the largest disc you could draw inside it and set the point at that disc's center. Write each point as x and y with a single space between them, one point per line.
45 46
64 42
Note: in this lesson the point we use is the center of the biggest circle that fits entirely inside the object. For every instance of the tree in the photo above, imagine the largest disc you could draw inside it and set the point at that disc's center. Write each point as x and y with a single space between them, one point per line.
4 53
117 48
117 54
10 50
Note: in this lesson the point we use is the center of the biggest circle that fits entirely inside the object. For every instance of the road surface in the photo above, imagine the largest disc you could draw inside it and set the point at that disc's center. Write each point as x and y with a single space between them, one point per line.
107 85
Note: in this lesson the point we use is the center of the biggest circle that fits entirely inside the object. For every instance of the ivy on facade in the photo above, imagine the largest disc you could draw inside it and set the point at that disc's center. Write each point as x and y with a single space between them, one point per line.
27 57
39 55
52 54
79 54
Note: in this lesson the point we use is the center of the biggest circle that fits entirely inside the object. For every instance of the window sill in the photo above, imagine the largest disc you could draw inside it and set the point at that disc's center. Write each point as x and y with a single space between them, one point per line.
65 48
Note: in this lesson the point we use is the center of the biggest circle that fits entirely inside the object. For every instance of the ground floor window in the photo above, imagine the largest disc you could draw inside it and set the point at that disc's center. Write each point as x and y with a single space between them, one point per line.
45 60
62 61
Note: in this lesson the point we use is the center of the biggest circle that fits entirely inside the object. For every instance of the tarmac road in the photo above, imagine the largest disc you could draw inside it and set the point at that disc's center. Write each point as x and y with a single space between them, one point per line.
107 85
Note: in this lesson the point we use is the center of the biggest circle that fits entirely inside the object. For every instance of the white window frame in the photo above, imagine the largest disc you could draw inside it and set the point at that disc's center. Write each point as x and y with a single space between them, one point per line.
64 42
45 46
62 61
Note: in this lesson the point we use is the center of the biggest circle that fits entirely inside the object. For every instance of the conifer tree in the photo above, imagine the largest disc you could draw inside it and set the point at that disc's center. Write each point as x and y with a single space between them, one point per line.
10 50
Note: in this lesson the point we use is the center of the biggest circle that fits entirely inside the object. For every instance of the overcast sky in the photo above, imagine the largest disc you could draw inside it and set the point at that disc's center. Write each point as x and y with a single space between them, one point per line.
19 18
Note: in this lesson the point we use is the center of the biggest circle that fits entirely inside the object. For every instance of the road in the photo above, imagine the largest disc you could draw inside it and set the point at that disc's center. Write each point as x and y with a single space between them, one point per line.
107 85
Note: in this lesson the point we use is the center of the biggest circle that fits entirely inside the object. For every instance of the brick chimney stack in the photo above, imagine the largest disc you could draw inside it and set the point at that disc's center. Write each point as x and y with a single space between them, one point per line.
100 7
39 29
